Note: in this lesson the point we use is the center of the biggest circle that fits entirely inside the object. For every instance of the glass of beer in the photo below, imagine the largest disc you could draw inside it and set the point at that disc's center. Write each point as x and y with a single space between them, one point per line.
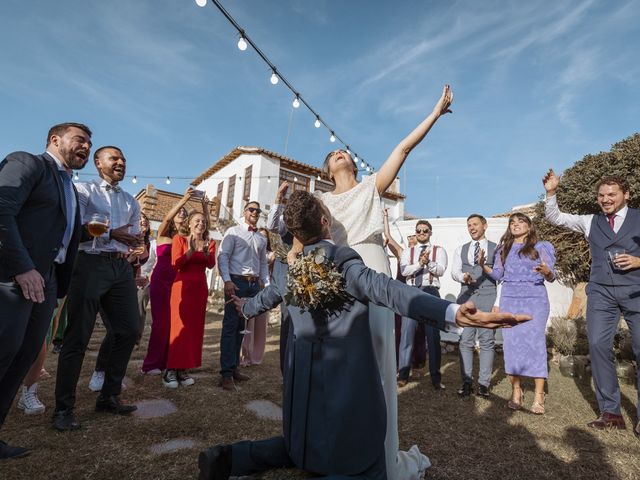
97 226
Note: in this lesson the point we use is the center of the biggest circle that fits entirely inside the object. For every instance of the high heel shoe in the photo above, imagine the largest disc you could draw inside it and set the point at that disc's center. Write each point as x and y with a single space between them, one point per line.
516 405
538 407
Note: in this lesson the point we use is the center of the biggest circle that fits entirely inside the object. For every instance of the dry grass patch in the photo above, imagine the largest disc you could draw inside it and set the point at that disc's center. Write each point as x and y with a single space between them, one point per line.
464 438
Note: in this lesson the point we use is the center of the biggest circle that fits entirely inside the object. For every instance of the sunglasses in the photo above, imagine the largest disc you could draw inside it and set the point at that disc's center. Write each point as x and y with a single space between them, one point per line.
253 210
426 230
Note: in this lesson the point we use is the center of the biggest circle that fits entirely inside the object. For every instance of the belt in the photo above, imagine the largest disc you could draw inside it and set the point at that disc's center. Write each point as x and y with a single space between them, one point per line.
111 255
246 278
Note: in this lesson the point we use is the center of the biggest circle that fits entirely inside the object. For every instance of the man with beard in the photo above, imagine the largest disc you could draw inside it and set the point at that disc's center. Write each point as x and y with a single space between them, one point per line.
102 278
39 234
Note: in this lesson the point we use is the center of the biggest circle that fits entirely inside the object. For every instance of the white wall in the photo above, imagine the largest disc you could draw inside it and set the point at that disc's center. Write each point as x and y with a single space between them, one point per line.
450 233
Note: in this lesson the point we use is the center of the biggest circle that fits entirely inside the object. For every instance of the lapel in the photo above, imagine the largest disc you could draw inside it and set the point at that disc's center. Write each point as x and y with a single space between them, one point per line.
628 223
603 224
53 166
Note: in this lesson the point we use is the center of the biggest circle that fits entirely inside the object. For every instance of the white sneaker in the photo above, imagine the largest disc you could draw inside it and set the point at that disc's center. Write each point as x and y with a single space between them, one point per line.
154 371
29 401
170 379
184 379
96 382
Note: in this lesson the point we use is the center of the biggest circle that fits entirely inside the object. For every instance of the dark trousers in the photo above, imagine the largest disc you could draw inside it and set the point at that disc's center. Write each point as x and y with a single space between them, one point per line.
232 325
285 334
97 282
604 306
432 335
23 328
249 457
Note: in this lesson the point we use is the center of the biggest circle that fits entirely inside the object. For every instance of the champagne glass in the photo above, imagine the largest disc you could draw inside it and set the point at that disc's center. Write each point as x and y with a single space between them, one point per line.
97 226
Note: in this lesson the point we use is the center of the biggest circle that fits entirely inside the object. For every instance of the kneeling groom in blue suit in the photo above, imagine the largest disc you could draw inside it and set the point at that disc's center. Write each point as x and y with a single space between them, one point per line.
334 415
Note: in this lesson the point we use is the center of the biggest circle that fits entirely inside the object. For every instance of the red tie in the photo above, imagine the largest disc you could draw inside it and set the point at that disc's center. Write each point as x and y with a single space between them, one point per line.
252 229
611 218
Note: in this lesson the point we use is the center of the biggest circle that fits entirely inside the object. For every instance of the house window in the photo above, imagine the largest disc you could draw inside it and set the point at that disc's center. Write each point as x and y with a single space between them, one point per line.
247 183
322 186
231 192
296 181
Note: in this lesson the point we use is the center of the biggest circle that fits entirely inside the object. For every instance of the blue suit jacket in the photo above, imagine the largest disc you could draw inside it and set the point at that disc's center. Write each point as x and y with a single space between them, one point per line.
33 218
334 412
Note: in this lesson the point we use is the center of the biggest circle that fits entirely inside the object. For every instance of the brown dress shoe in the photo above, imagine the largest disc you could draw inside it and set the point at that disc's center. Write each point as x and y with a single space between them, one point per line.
608 420
240 377
227 384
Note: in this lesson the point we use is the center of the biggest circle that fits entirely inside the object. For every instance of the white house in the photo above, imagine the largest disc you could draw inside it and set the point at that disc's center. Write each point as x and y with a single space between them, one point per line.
253 173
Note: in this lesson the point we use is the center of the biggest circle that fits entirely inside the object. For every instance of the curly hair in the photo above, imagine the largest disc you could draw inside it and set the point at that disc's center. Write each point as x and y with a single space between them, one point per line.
613 180
303 215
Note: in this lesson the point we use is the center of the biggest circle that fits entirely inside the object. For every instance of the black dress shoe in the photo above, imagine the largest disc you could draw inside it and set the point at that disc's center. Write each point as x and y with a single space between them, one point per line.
465 390
215 463
7 451
65 420
112 404
438 386
482 391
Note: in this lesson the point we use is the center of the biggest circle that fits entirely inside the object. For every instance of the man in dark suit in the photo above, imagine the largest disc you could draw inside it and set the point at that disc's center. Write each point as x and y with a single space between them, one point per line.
334 415
39 234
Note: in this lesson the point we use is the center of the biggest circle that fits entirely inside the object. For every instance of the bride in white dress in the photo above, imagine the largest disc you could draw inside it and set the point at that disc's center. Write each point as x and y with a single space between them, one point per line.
357 222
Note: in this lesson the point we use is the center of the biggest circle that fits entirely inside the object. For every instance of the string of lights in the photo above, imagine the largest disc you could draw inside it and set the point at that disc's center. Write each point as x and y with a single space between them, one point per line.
276 75
167 179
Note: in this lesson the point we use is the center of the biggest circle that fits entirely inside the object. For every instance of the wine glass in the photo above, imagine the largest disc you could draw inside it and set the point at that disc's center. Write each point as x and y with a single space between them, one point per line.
614 253
97 226
245 331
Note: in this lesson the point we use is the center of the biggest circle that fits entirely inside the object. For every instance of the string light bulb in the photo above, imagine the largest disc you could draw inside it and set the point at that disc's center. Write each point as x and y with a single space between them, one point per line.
76 177
317 122
168 181
319 177
349 151
268 179
242 44
332 138
296 102
295 179
274 78
134 179
362 164
368 168
201 3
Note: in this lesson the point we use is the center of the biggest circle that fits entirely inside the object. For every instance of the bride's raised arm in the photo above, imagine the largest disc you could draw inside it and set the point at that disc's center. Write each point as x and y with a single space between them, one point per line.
391 167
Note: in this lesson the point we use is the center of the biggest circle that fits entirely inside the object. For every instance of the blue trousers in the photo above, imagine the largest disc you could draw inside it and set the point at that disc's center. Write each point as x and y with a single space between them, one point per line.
232 325
604 306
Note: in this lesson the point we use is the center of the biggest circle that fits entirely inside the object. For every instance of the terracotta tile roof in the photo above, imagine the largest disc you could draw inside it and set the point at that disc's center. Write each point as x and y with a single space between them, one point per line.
285 162
155 207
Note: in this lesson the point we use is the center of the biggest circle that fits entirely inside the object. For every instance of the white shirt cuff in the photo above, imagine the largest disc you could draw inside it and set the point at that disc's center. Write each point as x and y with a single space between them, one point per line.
450 319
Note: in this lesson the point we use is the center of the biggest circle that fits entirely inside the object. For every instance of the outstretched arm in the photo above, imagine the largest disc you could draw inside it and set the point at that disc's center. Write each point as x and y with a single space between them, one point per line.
268 298
391 167
163 229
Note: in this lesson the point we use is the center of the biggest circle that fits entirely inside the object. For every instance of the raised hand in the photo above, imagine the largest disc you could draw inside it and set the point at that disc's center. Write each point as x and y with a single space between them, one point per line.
469 316
282 192
188 192
442 107
550 182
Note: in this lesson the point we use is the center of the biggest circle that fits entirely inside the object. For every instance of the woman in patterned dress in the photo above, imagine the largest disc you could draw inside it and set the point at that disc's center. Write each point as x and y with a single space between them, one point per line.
523 264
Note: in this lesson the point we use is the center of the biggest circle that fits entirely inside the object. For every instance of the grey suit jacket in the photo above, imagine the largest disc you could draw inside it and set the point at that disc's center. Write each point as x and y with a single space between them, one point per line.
334 412
33 218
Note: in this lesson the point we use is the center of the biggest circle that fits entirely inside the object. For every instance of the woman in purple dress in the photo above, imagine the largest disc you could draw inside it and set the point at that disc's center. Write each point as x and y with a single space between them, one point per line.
522 264
160 284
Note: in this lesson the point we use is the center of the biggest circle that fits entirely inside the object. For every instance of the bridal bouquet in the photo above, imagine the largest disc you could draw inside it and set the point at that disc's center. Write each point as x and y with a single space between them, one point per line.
314 283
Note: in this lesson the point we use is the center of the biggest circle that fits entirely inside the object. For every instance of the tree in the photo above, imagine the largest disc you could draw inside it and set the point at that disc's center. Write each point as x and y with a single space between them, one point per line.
577 194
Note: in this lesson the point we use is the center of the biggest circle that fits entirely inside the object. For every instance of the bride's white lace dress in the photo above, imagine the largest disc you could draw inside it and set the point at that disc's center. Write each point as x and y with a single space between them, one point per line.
357 222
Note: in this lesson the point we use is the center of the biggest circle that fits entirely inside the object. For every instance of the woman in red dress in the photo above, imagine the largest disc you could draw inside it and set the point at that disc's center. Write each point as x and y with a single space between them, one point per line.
190 256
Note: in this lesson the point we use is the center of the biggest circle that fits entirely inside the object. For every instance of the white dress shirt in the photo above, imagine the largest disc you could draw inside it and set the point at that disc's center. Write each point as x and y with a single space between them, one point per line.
243 252
456 264
577 223
275 221
62 253
120 207
427 275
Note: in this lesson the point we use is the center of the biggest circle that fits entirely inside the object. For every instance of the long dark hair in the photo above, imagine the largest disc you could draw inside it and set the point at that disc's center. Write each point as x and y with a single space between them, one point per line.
528 249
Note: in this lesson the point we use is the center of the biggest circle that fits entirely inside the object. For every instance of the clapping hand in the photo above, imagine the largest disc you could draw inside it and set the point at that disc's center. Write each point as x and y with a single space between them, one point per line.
482 257
469 316
467 279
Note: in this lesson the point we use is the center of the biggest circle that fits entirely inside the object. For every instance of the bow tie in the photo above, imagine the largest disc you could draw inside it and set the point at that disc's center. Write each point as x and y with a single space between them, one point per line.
252 229
115 188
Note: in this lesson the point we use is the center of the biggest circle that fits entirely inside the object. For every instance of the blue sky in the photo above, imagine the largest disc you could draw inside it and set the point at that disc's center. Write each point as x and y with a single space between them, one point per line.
536 84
